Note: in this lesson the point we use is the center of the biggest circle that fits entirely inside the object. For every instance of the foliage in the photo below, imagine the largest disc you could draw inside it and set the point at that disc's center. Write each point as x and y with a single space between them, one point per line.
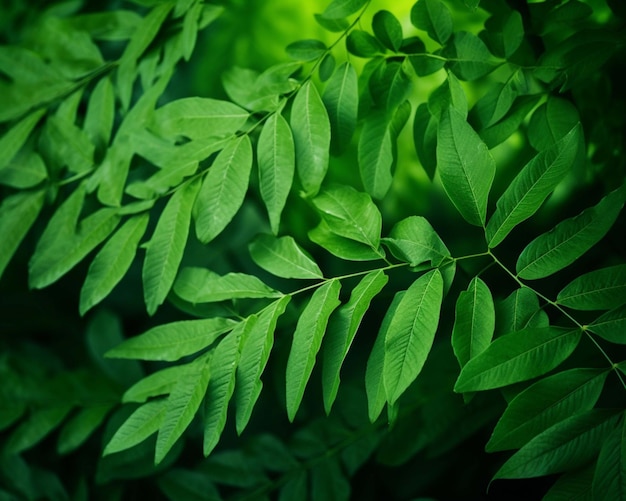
400 247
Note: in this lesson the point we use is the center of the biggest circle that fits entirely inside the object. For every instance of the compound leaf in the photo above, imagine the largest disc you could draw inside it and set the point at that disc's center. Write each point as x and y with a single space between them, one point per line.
597 290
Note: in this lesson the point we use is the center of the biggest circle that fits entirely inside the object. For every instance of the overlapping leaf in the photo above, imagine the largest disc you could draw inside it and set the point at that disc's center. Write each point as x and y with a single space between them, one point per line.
413 240
142 423
283 257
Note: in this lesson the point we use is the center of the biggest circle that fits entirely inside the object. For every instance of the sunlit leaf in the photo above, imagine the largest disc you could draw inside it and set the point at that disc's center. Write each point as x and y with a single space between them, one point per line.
469 56
26 170
100 114
283 257
597 290
376 155
342 8
413 240
156 384
142 423
341 98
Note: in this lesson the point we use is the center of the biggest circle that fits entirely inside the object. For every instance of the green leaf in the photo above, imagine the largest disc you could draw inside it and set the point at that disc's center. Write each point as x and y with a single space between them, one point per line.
39 424
376 155
495 104
342 329
520 310
342 247
81 426
100 114
342 8
362 44
474 321
574 485
326 68
545 403
307 340
434 18
570 239
390 86
73 148
333 25
222 385
507 126
341 98
306 50
198 118
469 56
532 185
410 333
283 257
112 262
187 485
13 140
165 249
276 160
611 326
224 189
254 356
465 165
609 479
551 121
449 94
565 446
18 212
387 29
414 241
26 170
311 133
142 423
156 384
504 33
602 289
189 34
328 481
182 405
199 285
170 342
516 357
425 139
350 214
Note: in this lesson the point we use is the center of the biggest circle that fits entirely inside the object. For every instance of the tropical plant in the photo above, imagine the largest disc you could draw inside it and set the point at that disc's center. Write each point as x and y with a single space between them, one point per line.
392 248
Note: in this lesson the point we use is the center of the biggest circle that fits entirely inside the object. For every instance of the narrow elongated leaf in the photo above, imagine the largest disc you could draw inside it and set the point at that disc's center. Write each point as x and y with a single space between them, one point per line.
81 426
425 139
338 9
434 18
465 165
376 155
474 322
39 424
612 325
182 405
573 485
516 357
411 333
311 133
609 479
597 290
222 385
16 136
166 247
276 158
532 185
199 285
449 94
254 356
100 114
350 214
545 403
156 384
172 341
570 239
223 189
565 446
341 98
142 423
112 262
75 150
17 214
413 240
283 257
307 340
342 329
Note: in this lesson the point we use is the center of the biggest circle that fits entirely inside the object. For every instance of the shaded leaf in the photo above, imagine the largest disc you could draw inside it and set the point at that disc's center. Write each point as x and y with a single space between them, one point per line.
520 310
449 94
187 485
142 423
13 140
283 257
81 426
609 479
551 121
574 485
611 326
434 17
425 139
362 44
469 56
597 290
26 170
387 29
39 424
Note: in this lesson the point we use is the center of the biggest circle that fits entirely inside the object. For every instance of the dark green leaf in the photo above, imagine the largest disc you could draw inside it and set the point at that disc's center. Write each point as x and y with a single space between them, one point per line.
13 140
505 128
390 85
516 357
342 8
326 68
283 257
434 18
307 340
73 148
341 98
570 239
387 29
328 481
81 426
26 170
306 50
414 241
612 325
609 479
602 289
165 249
495 104
469 57
142 423
410 333
187 485
449 94
362 44
574 485
425 139
376 155
332 24
465 165
39 424
520 310
551 121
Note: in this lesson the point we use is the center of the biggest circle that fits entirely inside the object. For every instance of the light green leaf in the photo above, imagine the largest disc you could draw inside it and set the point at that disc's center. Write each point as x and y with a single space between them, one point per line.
341 98
142 423
434 18
516 357
156 384
465 165
520 310
376 155
100 114
532 185
198 118
570 239
199 285
222 385
609 479
414 241
13 140
170 342
390 86
545 403
38 425
342 329
611 326
470 57
18 212
311 133
411 333
307 340
276 159
474 321
112 262
342 8
26 170
254 356
306 50
81 426
565 446
342 247
165 249
597 290
182 405
283 257
387 29
350 214
223 189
